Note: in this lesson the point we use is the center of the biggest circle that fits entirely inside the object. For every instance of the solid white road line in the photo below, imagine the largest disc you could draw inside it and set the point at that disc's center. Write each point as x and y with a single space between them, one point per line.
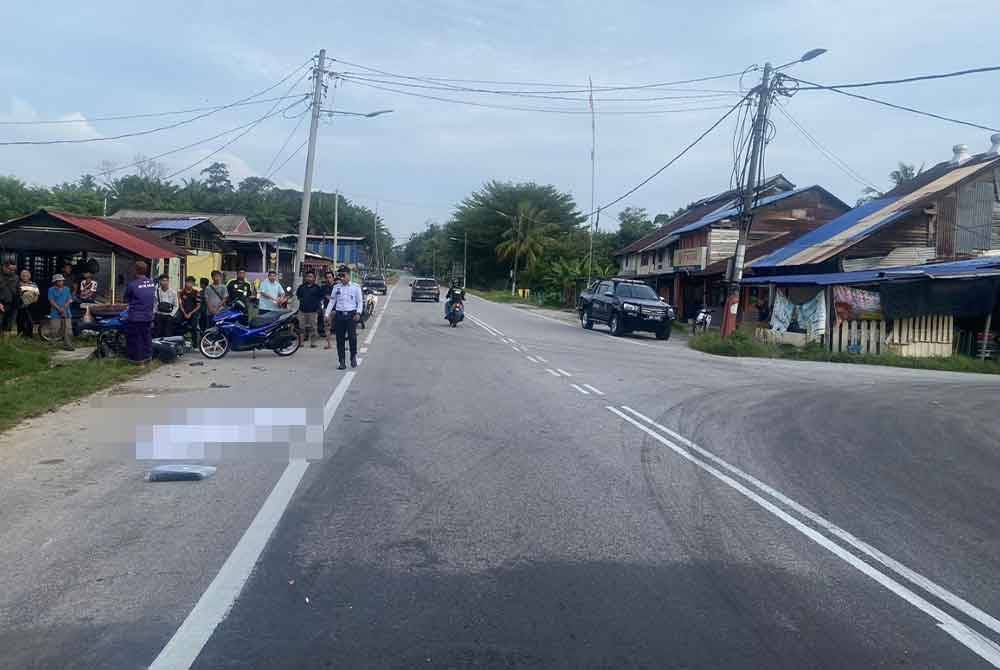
505 340
378 319
916 578
563 372
532 359
552 372
580 389
363 350
483 325
187 642
979 644
594 390
541 360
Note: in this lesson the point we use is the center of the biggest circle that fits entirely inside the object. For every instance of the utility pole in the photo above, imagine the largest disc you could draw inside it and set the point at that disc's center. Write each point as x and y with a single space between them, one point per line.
729 318
375 234
593 178
300 246
465 261
336 214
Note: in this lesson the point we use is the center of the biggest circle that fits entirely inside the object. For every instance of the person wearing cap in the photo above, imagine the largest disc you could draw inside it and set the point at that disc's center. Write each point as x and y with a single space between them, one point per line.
60 299
345 307
8 297
140 294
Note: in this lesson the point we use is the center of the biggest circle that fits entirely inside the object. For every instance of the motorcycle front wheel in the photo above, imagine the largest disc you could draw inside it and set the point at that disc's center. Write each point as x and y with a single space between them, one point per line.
213 344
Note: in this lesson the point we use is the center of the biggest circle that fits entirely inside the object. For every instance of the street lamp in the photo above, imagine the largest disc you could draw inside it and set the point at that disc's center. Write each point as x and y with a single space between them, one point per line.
367 115
465 256
807 56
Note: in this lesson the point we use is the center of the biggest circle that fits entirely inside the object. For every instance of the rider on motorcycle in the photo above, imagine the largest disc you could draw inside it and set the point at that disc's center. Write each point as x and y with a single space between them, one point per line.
456 294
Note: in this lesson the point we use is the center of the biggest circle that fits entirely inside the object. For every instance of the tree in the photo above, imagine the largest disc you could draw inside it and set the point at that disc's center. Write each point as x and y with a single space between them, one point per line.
903 173
633 224
255 185
524 239
149 169
218 178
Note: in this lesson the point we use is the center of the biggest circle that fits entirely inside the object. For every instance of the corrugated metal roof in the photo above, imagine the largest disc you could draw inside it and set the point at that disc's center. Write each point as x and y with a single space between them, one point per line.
224 222
857 224
984 266
145 245
731 209
176 224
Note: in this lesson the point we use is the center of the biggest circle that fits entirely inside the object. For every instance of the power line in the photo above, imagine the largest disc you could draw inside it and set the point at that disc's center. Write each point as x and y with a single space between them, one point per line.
832 157
270 112
196 143
543 96
904 108
150 131
907 80
284 144
285 162
578 90
148 115
545 110
672 160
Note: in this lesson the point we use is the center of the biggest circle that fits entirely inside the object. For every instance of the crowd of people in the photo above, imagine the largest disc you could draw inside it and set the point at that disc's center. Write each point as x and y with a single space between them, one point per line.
327 309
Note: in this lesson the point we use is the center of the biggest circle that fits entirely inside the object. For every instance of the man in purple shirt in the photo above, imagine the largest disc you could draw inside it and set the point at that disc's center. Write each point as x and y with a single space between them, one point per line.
140 295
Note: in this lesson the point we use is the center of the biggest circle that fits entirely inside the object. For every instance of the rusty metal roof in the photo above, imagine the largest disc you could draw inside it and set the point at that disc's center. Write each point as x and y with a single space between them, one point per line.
140 243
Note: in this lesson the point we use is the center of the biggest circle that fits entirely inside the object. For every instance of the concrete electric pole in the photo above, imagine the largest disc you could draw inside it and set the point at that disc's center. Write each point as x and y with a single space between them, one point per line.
729 318
300 246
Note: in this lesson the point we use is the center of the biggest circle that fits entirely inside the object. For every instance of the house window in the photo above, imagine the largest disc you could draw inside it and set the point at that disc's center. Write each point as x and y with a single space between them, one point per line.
645 259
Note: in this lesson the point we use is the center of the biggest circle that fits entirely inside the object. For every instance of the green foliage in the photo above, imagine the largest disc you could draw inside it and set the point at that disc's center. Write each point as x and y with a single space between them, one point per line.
741 343
35 387
268 209
633 224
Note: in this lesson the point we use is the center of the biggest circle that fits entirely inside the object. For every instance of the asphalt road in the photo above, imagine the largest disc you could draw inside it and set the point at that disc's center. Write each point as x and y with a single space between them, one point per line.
518 492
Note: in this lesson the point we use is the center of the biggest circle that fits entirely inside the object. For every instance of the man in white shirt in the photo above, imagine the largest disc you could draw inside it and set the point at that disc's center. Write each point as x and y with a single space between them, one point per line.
271 293
345 307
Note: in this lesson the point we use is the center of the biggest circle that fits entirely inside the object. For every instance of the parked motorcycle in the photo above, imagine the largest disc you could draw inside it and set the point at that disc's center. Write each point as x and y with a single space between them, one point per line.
702 322
234 330
371 302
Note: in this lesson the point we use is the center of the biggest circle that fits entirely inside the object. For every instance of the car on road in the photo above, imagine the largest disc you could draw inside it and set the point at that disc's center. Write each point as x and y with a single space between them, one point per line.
626 306
376 284
425 288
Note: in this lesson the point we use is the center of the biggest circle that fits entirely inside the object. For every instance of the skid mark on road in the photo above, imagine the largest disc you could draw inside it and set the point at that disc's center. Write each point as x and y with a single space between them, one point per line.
981 645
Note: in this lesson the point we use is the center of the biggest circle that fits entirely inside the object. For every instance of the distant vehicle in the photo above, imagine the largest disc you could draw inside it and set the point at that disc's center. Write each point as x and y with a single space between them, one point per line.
424 288
625 306
375 284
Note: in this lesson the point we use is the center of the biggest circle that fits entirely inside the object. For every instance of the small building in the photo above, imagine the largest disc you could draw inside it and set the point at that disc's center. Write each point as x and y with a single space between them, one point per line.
43 241
687 259
224 222
351 249
949 212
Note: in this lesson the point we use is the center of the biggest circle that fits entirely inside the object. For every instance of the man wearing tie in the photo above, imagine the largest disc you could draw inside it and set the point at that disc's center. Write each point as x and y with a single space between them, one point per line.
345 306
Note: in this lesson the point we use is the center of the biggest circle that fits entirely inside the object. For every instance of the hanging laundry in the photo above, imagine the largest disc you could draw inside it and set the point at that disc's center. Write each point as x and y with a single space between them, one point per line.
781 313
812 316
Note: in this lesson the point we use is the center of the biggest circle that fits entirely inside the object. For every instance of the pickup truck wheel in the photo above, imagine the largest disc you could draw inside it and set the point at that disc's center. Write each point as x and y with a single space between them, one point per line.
663 332
585 319
615 326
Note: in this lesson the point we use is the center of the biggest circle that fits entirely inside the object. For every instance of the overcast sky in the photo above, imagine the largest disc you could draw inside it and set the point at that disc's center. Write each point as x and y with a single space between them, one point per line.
91 59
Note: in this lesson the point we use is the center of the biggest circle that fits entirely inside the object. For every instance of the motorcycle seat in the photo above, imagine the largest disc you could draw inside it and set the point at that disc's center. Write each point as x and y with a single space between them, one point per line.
265 318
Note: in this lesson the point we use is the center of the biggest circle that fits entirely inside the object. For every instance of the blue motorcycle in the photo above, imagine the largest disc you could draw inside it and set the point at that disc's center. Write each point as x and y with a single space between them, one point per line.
110 332
234 330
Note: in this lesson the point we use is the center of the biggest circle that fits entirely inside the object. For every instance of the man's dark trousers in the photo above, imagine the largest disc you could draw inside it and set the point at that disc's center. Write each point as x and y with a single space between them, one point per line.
344 327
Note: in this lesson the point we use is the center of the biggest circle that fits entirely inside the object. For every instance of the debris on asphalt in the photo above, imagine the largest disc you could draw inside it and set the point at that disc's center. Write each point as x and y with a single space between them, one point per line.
52 461
196 364
180 472
307 600
213 385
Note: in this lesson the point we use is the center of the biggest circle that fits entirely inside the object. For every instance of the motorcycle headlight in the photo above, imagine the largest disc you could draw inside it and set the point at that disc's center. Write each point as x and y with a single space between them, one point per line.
629 307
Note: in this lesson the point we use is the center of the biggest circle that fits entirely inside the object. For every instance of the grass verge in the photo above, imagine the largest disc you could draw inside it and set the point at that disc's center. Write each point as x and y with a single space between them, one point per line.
743 344
506 297
33 386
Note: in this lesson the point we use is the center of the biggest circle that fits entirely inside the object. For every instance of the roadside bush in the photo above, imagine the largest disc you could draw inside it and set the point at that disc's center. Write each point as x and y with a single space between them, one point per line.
737 344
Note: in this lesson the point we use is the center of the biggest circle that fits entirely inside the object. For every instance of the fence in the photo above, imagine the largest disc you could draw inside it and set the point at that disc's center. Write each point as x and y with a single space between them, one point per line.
858 337
922 336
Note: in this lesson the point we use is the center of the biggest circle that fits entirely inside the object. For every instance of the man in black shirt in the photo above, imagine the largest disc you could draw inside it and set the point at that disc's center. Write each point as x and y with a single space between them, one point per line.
328 282
310 296
240 290
190 311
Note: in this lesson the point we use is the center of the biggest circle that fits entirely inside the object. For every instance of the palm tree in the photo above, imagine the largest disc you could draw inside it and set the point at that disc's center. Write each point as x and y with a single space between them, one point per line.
902 174
562 276
524 239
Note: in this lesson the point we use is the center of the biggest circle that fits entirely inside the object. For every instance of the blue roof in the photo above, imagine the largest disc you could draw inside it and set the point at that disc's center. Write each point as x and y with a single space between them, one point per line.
825 232
176 224
732 212
974 267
